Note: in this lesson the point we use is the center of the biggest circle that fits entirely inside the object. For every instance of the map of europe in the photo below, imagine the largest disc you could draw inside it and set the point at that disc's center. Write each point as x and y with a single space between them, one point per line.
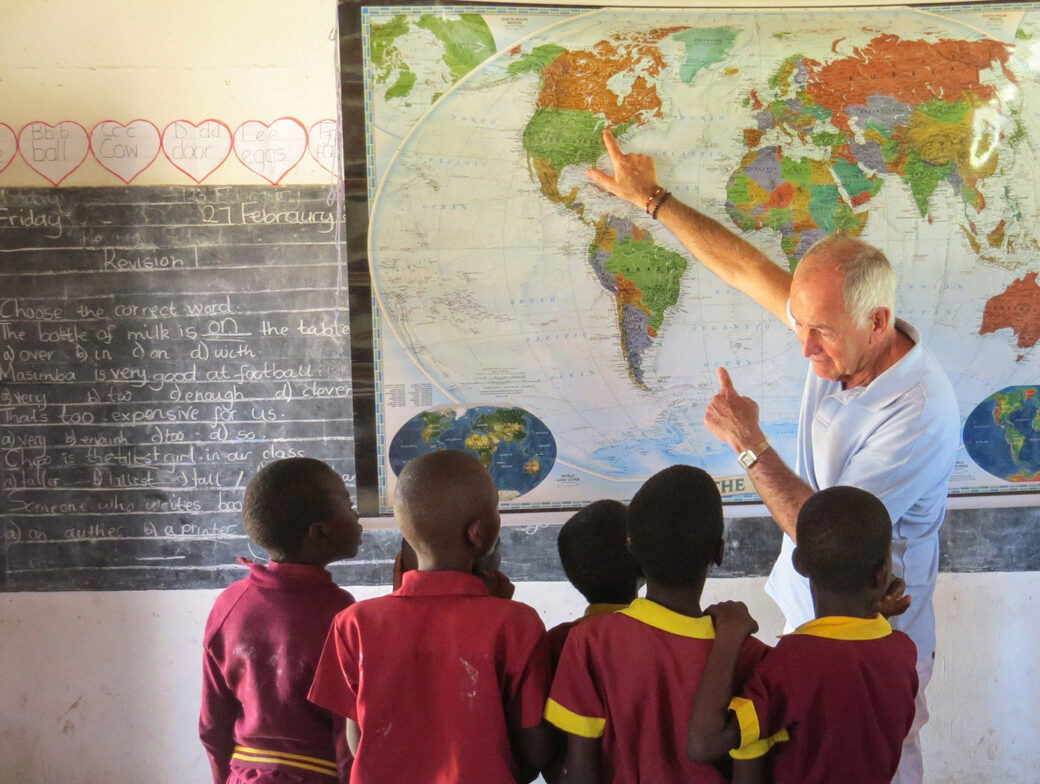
503 277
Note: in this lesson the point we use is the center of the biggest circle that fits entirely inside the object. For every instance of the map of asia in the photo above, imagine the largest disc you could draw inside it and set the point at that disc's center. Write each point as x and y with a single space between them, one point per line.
570 342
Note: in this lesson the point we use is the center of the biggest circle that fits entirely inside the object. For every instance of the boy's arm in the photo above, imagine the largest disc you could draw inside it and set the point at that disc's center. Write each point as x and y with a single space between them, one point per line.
220 709
713 728
750 771
532 751
581 764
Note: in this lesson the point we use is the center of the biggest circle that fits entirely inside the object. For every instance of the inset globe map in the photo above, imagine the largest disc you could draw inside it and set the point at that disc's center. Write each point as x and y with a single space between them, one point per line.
515 445
1002 434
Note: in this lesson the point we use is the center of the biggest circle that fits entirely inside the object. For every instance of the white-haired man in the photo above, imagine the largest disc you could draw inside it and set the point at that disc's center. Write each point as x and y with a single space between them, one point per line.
877 413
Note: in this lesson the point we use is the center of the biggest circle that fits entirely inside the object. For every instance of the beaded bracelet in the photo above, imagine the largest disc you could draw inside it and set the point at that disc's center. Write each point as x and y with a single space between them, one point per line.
657 192
664 197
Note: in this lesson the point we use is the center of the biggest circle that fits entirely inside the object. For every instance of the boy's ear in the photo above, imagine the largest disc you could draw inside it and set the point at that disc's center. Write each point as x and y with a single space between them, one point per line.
796 559
882 575
475 533
719 552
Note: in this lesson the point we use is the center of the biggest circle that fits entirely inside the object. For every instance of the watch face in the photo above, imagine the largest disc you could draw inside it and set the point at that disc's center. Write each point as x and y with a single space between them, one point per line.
747 459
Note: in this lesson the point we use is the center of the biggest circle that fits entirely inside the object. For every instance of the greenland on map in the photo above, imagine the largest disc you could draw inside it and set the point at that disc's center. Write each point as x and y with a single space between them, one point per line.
570 342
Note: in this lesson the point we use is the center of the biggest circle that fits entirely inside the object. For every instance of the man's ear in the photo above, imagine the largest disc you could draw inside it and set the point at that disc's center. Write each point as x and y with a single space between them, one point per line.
721 550
796 559
880 318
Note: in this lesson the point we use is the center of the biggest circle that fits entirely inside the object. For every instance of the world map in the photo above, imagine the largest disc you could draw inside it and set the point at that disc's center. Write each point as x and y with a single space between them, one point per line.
516 448
1003 434
503 277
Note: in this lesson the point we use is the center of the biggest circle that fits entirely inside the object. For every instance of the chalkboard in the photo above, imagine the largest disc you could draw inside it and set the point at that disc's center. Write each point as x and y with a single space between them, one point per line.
157 346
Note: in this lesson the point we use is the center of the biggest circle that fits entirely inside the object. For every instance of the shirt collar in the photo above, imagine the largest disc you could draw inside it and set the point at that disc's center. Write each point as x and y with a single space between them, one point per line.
660 617
838 627
305 575
441 583
602 608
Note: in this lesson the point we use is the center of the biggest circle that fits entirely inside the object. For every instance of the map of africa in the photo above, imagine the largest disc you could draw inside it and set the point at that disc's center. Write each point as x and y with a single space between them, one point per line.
504 278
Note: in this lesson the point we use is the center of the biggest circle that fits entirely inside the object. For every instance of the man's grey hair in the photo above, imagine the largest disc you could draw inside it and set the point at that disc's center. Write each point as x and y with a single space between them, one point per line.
869 282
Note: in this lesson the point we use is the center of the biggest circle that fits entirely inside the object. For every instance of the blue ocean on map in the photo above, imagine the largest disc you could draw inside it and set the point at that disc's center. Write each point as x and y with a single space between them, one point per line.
1002 434
515 446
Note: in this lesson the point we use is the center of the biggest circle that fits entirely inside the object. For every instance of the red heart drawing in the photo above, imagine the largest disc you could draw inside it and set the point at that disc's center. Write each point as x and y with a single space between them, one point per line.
8 145
197 150
271 151
325 146
53 151
125 150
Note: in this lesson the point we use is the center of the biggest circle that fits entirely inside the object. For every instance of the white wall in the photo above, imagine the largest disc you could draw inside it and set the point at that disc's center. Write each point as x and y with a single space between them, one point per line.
103 688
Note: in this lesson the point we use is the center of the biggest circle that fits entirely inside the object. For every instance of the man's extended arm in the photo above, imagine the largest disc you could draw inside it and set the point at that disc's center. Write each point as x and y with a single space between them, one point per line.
732 258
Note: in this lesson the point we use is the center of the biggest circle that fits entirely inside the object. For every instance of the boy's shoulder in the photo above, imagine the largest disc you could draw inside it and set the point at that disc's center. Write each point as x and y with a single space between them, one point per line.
827 647
442 593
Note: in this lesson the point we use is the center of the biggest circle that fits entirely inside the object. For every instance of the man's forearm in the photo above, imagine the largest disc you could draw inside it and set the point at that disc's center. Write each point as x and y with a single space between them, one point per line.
735 260
781 489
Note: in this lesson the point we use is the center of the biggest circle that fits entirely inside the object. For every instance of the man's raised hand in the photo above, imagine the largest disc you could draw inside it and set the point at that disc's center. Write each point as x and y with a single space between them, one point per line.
635 175
733 418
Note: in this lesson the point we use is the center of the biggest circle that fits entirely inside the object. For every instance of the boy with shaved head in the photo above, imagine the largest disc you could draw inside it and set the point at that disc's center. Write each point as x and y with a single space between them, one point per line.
439 681
841 688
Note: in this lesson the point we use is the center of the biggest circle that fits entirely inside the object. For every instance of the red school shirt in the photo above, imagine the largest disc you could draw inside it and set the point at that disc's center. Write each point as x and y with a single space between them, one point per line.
843 689
262 642
557 635
435 674
630 678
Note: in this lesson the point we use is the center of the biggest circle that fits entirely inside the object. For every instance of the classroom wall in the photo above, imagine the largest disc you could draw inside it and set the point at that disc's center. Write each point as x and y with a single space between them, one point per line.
103 688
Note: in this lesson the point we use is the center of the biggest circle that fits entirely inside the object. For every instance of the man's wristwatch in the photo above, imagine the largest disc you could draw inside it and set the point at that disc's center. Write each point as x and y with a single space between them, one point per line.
749 457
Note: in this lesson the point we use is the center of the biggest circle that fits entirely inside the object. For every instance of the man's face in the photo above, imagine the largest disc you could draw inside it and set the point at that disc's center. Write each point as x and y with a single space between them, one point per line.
837 347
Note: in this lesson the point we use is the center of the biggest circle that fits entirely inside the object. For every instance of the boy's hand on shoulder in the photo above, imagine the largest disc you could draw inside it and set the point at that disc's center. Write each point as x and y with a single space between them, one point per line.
895 601
732 618
497 583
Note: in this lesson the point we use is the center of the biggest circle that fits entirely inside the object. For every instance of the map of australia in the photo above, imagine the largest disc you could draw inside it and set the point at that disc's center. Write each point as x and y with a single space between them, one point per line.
505 278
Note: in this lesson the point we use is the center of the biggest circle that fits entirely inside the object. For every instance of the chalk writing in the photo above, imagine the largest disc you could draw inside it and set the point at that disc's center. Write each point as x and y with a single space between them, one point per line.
150 362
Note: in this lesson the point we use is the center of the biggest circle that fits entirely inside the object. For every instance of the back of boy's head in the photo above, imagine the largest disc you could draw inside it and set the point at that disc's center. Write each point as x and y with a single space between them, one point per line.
844 536
675 525
438 494
593 547
284 499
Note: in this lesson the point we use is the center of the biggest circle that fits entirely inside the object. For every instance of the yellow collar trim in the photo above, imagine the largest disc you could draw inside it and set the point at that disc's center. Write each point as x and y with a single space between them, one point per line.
837 627
594 610
660 617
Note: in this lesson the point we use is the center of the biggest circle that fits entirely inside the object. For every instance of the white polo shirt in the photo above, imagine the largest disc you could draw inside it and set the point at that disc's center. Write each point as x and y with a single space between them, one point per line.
897 438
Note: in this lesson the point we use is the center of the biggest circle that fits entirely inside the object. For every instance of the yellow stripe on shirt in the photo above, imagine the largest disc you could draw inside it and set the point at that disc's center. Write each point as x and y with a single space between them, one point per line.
247 754
574 723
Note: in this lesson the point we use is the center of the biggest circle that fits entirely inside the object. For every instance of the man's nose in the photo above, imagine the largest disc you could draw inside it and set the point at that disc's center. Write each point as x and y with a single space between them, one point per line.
810 345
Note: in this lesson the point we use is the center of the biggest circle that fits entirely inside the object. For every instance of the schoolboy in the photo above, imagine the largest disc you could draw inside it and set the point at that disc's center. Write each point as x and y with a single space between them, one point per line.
842 686
487 569
625 681
439 681
265 633
593 547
